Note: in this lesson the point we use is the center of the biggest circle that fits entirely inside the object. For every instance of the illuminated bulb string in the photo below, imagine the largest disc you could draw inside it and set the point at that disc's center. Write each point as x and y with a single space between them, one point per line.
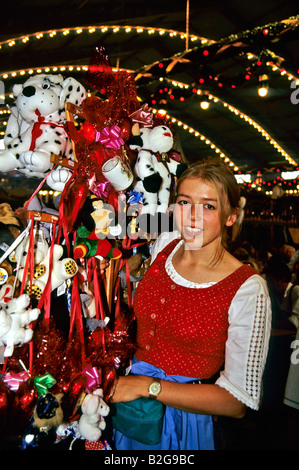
49 34
250 121
196 133
151 31
241 115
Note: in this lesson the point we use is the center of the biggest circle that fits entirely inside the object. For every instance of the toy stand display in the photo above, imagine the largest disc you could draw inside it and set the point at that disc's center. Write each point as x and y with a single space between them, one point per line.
67 326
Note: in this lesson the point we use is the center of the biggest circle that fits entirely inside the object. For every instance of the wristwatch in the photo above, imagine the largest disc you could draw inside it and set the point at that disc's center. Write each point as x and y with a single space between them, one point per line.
154 388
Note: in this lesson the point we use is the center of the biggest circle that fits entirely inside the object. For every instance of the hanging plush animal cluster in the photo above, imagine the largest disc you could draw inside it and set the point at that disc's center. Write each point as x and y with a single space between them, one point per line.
58 294
35 129
154 167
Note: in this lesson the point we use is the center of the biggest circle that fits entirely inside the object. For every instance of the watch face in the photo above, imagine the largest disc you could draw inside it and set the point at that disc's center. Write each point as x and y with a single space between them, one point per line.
155 388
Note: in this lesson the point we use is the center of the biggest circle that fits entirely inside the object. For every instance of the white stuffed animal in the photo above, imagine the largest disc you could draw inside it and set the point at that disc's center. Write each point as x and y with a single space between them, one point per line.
92 422
15 318
154 167
62 269
35 128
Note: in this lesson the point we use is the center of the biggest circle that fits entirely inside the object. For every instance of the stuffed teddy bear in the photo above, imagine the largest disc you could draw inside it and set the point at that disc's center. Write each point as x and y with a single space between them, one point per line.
91 422
154 166
46 419
15 318
62 269
35 129
96 219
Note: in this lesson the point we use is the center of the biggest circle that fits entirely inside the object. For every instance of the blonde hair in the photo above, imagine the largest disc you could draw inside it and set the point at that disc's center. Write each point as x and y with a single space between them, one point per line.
219 174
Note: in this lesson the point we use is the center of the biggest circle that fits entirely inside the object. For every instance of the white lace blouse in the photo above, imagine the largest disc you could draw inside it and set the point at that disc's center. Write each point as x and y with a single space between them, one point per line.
248 333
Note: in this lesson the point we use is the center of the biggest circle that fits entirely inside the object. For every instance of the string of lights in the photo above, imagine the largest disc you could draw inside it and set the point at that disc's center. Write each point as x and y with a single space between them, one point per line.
205 45
199 135
237 112
266 32
49 34
198 91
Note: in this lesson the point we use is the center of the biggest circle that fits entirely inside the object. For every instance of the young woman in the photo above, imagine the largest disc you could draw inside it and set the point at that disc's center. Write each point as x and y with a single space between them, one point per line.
203 319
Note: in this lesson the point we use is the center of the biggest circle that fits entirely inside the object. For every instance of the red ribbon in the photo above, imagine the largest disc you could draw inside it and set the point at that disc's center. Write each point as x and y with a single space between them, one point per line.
76 315
98 299
36 129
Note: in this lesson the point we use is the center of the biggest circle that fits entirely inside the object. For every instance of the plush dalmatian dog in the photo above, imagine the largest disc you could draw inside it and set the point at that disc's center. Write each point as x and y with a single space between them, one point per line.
154 167
62 268
35 129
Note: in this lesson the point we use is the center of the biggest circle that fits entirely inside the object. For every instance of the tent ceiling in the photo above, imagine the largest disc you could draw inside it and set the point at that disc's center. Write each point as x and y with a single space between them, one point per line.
256 134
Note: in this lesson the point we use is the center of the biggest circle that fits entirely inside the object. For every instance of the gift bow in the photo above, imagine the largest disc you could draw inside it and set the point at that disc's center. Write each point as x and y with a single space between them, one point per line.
93 376
110 137
135 197
14 379
143 116
43 382
101 189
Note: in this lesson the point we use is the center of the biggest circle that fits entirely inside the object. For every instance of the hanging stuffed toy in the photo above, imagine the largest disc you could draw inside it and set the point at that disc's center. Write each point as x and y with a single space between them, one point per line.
46 419
94 410
35 129
154 166
15 318
96 219
62 268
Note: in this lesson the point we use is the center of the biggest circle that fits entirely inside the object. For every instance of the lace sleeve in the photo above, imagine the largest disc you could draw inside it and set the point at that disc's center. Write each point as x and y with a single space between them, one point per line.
247 343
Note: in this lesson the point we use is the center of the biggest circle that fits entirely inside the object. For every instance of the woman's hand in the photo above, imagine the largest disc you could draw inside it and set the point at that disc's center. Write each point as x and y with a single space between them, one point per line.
196 398
130 387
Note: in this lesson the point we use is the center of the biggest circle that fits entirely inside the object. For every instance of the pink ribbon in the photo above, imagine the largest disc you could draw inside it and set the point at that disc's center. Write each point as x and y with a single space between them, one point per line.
93 378
174 156
110 137
14 379
101 189
143 116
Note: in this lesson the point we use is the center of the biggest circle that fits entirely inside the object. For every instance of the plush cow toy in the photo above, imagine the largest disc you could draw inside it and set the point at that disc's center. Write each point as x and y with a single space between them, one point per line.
35 128
154 167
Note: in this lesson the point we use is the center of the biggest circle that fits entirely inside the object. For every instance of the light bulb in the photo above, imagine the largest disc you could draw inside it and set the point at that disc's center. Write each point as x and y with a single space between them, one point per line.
263 91
204 104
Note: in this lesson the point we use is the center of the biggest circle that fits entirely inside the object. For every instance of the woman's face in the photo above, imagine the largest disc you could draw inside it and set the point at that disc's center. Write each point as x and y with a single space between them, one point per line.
197 213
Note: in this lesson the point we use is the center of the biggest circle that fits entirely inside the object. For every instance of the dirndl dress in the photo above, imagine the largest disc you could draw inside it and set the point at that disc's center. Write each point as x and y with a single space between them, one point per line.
181 430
